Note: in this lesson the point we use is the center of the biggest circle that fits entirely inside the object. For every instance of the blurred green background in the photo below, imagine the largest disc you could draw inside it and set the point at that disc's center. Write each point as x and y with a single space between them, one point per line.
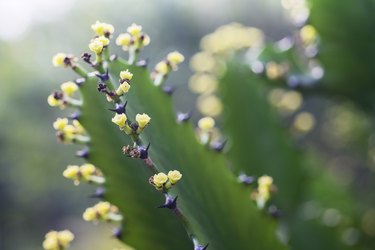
34 197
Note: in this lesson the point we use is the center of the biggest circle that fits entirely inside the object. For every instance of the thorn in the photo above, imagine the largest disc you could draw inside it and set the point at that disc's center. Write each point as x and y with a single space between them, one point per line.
219 145
274 211
117 232
170 202
75 115
199 247
183 117
86 57
142 63
143 152
84 153
120 108
113 57
80 81
99 193
168 89
103 77
245 179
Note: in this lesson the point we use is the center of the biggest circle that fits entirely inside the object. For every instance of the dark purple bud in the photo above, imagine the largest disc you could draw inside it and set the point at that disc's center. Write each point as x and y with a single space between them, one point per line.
117 232
103 77
102 87
83 153
80 81
245 179
170 202
219 145
142 63
86 57
120 108
183 117
274 211
134 126
75 115
199 247
99 193
58 95
143 152
168 89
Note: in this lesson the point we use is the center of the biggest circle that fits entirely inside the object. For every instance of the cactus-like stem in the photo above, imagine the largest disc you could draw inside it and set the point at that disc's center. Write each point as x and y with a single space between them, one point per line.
80 70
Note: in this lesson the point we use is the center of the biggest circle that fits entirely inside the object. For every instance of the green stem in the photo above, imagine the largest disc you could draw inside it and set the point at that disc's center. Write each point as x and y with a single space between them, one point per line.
79 70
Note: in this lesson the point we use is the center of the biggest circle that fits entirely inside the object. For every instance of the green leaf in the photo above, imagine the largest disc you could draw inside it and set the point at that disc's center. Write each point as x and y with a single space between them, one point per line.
219 209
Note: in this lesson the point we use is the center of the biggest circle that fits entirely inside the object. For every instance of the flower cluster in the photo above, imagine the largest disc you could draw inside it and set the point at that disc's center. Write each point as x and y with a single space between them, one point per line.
134 39
164 67
125 77
64 97
57 240
102 211
161 180
86 172
264 190
68 133
121 120
98 44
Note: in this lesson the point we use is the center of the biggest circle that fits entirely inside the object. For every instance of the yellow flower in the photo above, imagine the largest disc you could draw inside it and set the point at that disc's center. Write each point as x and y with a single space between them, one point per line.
102 29
71 172
162 68
90 214
174 176
57 240
87 170
206 123
265 181
103 208
103 40
126 75
135 30
123 39
53 102
69 88
65 237
58 60
143 120
123 88
120 120
159 179
60 123
96 46
175 58
79 129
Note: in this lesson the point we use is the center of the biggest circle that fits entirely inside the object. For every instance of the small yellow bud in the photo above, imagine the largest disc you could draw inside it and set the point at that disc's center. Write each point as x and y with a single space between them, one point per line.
52 101
96 46
71 172
143 120
159 179
174 176
69 130
87 170
60 123
265 181
103 208
90 214
126 75
103 40
135 30
162 68
120 120
123 39
123 88
102 29
206 123
308 34
58 60
175 58
69 88
65 237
